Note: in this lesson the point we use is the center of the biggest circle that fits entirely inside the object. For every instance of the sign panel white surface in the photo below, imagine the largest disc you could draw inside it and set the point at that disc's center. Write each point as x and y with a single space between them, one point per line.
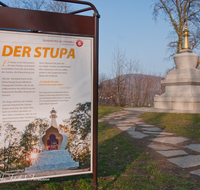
41 74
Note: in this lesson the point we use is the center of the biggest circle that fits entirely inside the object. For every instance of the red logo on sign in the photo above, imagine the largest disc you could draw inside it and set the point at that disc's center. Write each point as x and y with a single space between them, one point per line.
79 43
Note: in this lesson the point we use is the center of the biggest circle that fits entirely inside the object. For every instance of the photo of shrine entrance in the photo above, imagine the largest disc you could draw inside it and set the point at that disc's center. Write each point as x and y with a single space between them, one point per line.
52 140
70 24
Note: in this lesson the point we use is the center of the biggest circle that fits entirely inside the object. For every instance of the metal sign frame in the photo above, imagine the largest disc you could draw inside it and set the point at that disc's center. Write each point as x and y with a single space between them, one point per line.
52 23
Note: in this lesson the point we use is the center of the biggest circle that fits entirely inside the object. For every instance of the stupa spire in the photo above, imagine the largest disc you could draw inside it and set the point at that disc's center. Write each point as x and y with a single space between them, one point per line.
53 117
186 44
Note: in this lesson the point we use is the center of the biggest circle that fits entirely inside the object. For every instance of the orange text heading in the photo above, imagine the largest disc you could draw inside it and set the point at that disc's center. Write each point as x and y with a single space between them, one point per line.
25 51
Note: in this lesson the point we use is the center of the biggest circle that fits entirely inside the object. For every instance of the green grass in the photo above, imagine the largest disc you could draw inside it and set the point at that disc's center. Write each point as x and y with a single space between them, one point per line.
187 125
122 164
103 111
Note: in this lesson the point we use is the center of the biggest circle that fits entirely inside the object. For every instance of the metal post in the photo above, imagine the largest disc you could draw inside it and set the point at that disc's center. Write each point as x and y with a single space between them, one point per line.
2 4
95 85
95 100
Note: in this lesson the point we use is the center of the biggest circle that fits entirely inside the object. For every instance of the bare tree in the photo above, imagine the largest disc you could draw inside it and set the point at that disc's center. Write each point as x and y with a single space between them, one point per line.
59 7
178 13
138 90
14 3
137 86
106 90
34 4
102 77
45 5
27 4
121 68
128 85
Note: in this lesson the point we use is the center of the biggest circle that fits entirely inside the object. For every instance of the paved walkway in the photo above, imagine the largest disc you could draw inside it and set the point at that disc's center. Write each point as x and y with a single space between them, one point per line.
152 109
178 150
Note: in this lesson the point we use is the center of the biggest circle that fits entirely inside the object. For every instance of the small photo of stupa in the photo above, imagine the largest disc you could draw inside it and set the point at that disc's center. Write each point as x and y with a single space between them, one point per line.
53 155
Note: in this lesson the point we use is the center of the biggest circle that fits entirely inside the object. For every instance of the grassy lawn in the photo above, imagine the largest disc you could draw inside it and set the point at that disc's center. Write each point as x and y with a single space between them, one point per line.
187 125
103 111
123 164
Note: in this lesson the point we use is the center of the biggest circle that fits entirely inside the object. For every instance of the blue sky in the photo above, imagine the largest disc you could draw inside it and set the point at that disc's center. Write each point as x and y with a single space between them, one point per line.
129 25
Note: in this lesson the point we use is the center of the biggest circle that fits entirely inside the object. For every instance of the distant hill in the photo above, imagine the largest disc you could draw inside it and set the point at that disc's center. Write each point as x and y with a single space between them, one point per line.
130 90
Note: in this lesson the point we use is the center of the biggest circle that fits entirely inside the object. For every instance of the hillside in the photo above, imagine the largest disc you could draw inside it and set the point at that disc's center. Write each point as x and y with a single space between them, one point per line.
130 90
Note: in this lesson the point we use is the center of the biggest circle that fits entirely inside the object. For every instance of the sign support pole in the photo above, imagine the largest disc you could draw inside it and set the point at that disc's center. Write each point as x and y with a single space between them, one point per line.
95 100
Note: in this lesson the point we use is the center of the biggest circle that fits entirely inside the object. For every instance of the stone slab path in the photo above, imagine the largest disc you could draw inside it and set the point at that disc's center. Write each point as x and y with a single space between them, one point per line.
171 153
175 148
160 147
170 140
195 147
152 129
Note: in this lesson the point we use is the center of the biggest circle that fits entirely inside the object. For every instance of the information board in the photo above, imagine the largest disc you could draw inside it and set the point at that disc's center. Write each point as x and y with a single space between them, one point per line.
45 113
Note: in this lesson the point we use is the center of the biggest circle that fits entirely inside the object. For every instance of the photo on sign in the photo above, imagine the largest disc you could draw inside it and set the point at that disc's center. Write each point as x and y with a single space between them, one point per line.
45 115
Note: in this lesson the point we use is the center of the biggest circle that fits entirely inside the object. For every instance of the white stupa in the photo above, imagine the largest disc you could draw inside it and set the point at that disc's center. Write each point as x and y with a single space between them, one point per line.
54 155
182 85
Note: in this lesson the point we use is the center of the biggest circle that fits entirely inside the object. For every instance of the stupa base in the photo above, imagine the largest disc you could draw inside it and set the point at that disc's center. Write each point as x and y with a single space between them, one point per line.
52 160
177 103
